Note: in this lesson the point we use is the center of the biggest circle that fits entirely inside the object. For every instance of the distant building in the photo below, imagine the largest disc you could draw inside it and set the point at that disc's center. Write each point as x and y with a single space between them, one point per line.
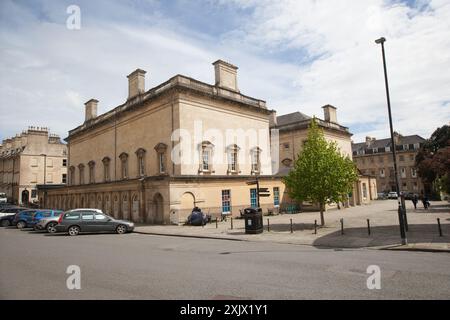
374 157
293 134
33 157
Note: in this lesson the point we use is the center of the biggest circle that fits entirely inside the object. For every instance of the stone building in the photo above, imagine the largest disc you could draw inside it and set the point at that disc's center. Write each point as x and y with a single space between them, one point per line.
33 157
293 133
374 157
181 144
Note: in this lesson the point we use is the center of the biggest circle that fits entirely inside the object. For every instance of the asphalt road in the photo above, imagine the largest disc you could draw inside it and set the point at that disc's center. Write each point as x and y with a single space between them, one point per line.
135 266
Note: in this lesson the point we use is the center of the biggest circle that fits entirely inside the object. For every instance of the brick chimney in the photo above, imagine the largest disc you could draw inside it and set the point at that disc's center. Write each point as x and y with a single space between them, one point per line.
136 83
329 113
90 109
226 75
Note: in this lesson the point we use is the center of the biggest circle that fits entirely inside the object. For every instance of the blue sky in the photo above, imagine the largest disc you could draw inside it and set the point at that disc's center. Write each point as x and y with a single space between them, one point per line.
297 55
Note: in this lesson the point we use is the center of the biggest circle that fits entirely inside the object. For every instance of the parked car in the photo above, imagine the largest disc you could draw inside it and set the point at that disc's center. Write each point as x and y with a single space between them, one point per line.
409 196
3 198
24 219
44 213
392 195
8 219
48 223
91 220
8 210
382 196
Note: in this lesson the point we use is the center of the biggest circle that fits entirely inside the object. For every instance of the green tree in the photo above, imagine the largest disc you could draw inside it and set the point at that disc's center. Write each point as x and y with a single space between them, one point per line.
321 174
433 161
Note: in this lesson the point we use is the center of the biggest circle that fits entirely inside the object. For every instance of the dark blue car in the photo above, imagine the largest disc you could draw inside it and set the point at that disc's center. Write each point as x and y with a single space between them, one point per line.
29 218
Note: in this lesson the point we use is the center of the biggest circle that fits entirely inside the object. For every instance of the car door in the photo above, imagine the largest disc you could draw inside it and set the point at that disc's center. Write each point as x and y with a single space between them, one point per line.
103 222
87 221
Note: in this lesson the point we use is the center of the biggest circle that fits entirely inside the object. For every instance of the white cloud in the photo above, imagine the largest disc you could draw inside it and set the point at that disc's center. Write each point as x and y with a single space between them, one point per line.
49 71
349 74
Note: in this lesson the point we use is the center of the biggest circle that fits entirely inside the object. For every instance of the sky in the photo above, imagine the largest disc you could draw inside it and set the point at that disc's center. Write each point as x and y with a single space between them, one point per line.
296 55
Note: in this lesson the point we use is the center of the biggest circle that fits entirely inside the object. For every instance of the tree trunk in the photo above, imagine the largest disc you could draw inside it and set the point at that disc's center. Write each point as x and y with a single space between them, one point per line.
322 219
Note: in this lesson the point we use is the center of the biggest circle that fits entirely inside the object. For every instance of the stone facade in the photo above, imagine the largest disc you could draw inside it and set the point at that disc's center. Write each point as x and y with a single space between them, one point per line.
374 157
181 144
293 133
28 159
132 163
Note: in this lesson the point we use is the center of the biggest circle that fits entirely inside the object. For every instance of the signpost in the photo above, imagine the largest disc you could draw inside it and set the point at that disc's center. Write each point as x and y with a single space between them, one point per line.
260 192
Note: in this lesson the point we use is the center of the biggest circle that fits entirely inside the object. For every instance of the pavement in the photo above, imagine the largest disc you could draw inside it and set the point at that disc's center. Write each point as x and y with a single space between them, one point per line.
34 265
423 233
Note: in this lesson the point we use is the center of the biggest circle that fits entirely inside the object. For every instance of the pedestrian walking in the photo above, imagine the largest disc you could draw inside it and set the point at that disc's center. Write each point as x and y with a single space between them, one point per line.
414 200
425 202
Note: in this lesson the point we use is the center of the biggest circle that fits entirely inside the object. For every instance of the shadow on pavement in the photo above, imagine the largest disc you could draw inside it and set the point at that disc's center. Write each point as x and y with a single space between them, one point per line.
383 236
286 227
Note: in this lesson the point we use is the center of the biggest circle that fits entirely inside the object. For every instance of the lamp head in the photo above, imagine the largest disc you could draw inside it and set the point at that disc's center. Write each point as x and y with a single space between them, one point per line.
381 40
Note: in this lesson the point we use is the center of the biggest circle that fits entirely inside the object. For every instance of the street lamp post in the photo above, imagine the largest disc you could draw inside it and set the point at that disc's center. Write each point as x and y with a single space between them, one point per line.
401 210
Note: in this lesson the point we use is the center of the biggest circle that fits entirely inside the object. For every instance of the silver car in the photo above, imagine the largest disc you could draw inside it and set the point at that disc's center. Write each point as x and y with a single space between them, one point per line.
47 224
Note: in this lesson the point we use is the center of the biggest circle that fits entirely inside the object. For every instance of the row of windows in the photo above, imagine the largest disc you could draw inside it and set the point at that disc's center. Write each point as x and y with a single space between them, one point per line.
381 159
48 162
226 199
161 148
403 172
232 154
124 158
404 147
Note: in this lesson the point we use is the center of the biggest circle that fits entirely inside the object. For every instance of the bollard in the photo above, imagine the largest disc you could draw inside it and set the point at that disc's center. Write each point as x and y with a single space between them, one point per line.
292 229
439 226
216 224
231 223
342 226
268 226
315 226
368 226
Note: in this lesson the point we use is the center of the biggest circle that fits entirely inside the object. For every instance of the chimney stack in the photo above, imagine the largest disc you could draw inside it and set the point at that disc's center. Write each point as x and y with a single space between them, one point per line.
226 75
90 109
136 83
329 113
273 119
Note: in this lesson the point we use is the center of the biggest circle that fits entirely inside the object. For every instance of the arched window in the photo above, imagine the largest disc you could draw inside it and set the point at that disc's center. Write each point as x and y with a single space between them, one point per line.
81 172
255 154
232 154
106 171
140 153
161 149
91 165
124 165
206 154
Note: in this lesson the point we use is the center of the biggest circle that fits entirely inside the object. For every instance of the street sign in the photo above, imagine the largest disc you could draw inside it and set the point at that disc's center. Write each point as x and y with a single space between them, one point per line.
264 195
252 182
263 190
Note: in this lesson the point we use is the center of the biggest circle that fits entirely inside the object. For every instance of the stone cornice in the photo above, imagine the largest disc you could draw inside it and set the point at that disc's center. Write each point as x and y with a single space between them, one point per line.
178 83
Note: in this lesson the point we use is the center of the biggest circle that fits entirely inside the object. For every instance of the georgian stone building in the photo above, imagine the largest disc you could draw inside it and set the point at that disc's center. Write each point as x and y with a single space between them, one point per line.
181 144
293 133
374 157
33 157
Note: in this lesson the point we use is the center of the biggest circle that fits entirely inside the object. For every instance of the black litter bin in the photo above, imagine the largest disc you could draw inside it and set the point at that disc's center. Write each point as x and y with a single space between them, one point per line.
253 220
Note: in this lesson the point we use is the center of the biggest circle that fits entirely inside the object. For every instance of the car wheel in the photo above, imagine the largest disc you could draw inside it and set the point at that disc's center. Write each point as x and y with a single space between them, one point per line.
74 230
121 229
21 225
51 227
5 223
